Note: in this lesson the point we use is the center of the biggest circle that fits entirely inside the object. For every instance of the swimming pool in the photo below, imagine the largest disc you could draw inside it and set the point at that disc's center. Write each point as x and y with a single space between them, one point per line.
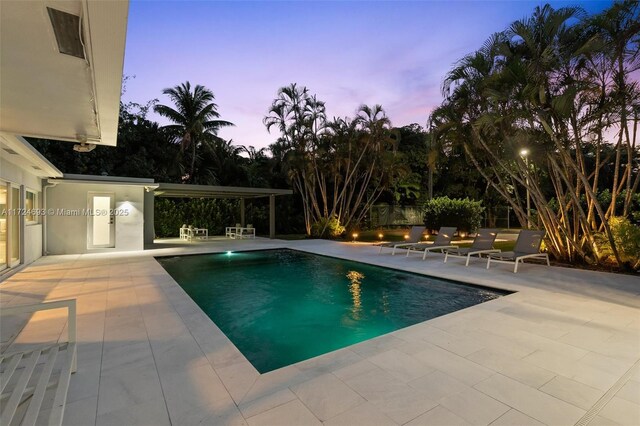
280 307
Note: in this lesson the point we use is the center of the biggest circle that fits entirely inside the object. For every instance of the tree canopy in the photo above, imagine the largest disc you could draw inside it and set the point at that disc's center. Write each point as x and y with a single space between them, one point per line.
340 167
546 106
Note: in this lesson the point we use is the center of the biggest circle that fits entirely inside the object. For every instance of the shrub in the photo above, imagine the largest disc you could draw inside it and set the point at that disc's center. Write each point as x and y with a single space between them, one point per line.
328 227
627 238
464 214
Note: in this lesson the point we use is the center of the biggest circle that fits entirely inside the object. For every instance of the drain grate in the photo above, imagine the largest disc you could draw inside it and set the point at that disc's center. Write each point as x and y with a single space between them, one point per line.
599 405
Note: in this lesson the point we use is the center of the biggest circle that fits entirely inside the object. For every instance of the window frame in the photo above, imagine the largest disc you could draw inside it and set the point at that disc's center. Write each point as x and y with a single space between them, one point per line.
33 219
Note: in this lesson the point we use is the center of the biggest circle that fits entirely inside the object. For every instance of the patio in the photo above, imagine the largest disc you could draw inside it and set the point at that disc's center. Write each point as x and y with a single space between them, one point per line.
564 349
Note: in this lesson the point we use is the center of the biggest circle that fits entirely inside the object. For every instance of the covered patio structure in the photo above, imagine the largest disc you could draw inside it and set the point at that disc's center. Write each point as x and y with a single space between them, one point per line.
178 190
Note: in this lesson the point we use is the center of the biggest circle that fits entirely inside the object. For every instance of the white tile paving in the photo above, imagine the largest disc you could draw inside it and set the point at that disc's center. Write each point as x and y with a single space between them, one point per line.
366 414
326 396
530 401
515 417
474 406
148 355
576 393
622 411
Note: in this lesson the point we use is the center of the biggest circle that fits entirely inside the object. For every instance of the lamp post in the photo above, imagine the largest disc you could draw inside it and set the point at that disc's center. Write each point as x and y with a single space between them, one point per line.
524 153
430 163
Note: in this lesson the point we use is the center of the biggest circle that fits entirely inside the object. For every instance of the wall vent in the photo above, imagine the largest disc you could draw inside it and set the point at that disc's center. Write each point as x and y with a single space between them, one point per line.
68 29
10 151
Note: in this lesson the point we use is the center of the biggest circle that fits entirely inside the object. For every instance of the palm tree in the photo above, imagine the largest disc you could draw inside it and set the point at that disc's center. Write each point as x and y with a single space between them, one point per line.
618 29
195 116
256 166
222 162
536 85
290 112
297 115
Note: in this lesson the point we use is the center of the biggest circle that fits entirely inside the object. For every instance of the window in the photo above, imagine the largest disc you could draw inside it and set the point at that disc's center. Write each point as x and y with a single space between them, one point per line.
31 204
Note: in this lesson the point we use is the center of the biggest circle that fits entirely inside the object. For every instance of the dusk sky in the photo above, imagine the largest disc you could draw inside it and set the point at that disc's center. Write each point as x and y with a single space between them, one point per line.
393 53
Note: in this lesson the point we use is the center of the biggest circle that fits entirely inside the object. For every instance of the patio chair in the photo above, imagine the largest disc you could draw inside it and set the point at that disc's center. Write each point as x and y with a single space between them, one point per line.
482 244
248 232
189 233
442 242
201 233
414 236
231 231
183 232
527 247
27 375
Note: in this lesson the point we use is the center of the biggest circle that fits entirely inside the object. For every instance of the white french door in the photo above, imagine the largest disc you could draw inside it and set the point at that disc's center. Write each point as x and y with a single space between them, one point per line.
4 225
101 221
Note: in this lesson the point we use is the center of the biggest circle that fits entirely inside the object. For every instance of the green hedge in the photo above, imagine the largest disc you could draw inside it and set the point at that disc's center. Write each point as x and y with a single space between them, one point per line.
464 214
216 214
213 214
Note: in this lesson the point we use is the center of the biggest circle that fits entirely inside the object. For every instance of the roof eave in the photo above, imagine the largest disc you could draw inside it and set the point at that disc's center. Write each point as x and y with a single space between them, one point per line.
41 167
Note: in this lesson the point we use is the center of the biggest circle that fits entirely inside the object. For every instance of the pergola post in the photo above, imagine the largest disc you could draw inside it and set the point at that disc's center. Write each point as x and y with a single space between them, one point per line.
242 221
272 216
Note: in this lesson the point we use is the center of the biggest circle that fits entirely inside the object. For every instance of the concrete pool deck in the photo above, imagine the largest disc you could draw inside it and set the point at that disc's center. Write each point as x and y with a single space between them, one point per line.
563 350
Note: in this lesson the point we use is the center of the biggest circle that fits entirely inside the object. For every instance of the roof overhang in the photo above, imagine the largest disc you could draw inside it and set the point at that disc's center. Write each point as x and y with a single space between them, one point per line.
18 151
177 190
48 94
74 179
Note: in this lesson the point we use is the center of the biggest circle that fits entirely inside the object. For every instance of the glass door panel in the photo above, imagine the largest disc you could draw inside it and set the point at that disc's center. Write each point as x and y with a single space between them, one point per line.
3 226
14 227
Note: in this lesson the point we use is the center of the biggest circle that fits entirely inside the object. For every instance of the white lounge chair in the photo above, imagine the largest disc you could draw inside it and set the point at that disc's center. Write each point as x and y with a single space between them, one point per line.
414 236
441 243
27 375
482 244
527 247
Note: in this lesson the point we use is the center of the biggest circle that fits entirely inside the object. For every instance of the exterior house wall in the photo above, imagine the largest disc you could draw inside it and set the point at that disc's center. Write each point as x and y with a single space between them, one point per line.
68 234
16 174
31 242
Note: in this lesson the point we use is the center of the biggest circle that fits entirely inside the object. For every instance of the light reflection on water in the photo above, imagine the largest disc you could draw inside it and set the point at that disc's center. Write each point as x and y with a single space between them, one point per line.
355 278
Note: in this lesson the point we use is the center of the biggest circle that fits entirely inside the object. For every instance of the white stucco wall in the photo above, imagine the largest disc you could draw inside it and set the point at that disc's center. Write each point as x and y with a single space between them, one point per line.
32 233
32 242
68 234
13 173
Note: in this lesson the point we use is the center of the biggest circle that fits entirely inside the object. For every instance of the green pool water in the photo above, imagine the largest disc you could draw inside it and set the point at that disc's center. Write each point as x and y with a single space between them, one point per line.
283 306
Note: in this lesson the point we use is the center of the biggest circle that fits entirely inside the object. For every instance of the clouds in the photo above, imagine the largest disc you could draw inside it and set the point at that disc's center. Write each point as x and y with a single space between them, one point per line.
348 53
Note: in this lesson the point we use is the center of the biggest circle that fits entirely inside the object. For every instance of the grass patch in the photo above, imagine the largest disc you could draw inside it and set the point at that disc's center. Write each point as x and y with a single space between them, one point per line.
291 237
398 235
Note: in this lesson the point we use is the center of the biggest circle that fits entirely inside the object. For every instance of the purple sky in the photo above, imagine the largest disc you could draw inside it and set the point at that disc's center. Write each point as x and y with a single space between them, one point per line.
391 53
